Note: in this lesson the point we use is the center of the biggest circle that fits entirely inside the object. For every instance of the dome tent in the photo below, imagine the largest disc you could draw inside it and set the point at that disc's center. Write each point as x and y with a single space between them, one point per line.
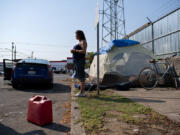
120 61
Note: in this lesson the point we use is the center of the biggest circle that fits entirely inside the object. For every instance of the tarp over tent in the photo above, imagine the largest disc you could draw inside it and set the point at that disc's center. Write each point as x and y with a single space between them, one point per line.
120 61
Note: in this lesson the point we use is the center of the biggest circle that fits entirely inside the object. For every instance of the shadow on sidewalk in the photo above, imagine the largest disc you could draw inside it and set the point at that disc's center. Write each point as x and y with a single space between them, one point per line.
146 100
57 127
154 97
126 100
58 88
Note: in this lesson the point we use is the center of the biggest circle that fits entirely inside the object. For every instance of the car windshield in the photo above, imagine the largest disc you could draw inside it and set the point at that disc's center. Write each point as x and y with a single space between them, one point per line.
31 65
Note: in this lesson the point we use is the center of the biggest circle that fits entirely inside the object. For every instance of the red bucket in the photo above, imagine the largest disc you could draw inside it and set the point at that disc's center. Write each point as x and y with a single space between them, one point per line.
40 110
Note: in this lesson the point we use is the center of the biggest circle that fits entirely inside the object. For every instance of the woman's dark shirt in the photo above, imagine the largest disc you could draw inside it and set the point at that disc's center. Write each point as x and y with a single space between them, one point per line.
78 56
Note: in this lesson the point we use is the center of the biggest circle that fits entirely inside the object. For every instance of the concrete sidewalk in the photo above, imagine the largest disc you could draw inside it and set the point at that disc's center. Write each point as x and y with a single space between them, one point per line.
163 100
76 119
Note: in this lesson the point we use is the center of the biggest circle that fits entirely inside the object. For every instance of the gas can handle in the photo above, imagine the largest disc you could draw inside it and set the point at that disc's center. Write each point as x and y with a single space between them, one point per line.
44 98
41 98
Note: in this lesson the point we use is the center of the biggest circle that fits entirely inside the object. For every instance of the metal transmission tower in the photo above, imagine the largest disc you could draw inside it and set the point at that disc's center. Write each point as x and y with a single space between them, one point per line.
113 20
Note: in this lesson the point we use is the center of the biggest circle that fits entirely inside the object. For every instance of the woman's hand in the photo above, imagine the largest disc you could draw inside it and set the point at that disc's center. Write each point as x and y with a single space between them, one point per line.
73 51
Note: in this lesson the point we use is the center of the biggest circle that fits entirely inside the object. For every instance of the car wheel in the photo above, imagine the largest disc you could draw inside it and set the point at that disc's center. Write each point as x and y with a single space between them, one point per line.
14 85
50 85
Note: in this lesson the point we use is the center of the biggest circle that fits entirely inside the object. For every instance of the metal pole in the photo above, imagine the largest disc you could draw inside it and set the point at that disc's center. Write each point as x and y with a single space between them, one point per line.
152 37
98 91
152 33
15 53
115 15
124 25
111 20
12 52
102 41
32 55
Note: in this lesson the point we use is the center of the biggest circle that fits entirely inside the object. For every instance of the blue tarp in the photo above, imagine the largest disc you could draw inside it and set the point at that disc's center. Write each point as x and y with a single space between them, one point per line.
118 43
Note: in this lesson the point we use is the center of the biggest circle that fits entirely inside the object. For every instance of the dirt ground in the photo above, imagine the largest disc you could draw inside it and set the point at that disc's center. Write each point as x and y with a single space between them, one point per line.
115 127
14 105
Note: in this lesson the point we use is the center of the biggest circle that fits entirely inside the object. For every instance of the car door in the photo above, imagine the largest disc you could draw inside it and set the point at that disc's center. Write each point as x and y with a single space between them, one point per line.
7 68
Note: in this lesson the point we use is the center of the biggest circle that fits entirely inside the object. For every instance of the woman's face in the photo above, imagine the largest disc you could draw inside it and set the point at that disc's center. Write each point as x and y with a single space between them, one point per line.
77 36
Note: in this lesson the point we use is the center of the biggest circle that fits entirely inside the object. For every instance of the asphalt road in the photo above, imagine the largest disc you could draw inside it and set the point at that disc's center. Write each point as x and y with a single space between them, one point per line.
14 105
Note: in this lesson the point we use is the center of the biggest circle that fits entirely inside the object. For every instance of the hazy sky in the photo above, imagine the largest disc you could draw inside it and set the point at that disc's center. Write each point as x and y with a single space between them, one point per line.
47 27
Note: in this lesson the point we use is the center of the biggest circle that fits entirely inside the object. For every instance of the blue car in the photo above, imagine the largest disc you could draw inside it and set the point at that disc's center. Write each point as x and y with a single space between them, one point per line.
32 71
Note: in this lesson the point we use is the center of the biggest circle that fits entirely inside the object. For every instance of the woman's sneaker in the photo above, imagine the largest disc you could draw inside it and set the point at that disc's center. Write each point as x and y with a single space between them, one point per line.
79 94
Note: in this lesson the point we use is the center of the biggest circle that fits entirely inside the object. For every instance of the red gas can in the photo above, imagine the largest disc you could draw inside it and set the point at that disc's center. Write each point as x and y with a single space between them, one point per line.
40 110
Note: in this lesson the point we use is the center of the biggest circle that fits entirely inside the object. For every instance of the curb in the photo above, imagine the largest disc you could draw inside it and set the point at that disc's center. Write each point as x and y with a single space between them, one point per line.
77 127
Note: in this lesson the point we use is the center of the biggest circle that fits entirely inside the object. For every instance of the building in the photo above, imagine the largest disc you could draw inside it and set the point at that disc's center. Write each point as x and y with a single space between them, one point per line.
69 60
70 66
58 66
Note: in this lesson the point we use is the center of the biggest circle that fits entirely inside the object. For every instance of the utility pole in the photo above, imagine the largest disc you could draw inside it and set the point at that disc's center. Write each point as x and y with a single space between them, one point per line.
15 53
12 51
32 55
113 20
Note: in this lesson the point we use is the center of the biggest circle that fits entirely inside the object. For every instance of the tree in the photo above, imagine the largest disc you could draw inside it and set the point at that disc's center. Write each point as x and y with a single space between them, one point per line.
89 57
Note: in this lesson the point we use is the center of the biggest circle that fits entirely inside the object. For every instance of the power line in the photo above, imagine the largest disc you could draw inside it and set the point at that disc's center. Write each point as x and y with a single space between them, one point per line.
9 51
37 44
44 44
5 51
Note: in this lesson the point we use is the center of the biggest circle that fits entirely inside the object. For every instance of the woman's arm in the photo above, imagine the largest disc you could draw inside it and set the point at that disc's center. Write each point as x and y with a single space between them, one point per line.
83 46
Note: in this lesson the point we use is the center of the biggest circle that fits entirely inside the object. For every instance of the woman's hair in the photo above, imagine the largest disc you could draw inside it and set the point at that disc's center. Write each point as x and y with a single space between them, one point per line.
81 35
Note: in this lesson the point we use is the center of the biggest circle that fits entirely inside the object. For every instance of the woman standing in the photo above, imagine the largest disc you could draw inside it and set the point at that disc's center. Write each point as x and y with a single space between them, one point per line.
79 53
